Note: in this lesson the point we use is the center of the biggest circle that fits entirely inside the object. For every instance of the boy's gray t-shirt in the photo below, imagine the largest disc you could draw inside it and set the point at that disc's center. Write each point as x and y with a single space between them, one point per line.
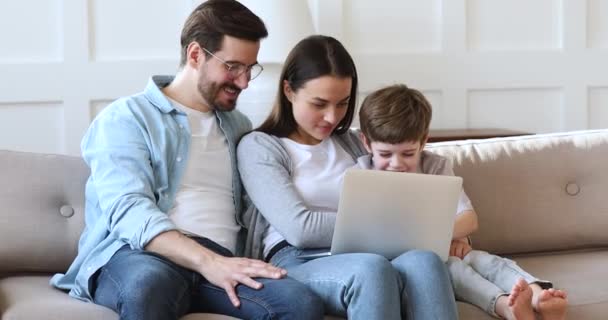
430 163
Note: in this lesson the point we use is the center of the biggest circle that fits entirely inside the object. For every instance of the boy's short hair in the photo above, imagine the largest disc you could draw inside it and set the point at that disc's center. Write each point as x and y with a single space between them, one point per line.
395 114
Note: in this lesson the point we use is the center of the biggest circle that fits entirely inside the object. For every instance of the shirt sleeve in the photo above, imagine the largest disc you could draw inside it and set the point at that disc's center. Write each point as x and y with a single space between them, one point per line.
464 203
435 164
122 179
265 174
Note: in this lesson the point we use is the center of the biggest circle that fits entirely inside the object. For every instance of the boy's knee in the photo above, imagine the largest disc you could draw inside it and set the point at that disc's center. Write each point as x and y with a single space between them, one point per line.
455 265
472 254
452 261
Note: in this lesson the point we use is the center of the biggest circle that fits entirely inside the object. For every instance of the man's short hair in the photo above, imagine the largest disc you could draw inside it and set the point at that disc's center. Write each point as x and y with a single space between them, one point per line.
395 114
213 19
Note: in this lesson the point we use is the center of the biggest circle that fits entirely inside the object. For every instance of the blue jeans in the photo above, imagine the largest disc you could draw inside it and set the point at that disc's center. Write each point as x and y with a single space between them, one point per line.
143 285
414 285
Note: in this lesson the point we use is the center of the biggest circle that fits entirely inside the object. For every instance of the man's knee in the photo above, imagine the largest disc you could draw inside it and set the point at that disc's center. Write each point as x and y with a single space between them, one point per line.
140 281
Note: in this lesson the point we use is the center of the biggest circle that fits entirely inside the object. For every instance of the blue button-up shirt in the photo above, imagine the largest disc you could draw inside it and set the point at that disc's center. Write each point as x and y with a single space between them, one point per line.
134 148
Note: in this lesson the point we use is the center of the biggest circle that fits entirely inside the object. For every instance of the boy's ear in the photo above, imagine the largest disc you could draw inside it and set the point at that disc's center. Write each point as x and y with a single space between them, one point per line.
287 91
424 141
365 141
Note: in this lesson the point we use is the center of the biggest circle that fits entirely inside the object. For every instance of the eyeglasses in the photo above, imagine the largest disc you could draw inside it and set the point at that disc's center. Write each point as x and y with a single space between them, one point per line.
236 69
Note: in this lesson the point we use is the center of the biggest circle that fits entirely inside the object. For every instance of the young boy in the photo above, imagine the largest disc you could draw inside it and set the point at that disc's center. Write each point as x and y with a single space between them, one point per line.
394 129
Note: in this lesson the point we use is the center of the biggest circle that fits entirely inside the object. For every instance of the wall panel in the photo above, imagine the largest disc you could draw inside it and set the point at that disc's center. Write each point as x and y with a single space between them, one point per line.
494 25
531 110
32 126
31 31
598 108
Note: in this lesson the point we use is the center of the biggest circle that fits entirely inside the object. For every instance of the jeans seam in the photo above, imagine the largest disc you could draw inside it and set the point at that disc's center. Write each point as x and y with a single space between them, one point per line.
118 285
253 299
329 280
408 313
514 271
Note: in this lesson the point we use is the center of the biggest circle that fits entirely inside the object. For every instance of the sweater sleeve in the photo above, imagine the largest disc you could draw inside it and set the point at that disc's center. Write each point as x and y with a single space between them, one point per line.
264 166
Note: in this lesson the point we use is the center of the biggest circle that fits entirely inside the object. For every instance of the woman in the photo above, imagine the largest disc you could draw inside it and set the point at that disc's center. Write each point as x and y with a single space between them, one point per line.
292 167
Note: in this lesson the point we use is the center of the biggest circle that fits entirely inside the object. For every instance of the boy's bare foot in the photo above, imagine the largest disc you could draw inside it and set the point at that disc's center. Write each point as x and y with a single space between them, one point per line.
551 304
520 301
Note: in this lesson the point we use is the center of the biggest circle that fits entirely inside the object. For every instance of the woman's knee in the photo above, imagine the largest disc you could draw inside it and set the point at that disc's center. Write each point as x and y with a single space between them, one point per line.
421 260
372 268
365 262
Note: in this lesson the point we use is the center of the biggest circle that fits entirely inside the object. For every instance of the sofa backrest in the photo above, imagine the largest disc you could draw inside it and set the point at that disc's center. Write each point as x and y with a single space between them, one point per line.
535 193
42 211
532 193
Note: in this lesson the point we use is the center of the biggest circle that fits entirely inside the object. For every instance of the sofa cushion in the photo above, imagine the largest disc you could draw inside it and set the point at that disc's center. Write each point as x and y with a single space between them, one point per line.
31 297
579 273
42 199
535 193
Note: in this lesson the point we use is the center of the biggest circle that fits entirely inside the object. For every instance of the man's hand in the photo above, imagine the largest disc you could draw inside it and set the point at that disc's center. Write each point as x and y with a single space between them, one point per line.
221 271
227 273
459 248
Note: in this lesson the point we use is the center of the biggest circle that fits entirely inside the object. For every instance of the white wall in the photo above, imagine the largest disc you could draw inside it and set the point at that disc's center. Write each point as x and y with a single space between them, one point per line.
534 65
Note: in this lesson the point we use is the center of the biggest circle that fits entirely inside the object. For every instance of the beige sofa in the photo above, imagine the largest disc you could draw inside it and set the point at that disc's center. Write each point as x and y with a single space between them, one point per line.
542 198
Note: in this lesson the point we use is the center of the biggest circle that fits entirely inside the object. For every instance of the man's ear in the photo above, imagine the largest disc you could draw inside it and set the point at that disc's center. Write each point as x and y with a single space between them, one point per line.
195 54
365 141
287 91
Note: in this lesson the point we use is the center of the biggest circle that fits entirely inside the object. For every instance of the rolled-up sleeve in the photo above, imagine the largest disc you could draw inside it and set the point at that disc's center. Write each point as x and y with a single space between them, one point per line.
116 150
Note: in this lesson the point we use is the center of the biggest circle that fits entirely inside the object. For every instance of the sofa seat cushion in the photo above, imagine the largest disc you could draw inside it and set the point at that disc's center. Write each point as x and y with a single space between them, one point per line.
579 273
31 297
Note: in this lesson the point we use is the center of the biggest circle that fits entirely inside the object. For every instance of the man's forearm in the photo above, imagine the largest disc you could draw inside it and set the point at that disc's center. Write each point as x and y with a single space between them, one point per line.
181 250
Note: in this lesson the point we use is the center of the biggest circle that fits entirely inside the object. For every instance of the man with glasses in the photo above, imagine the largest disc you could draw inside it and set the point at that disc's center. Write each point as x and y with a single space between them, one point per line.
161 202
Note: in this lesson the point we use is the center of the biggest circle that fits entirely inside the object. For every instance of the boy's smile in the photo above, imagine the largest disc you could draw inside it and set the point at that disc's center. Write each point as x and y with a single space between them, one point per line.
402 157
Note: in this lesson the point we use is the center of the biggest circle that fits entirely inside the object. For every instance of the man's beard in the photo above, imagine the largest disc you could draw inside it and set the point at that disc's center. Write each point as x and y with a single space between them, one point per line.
211 90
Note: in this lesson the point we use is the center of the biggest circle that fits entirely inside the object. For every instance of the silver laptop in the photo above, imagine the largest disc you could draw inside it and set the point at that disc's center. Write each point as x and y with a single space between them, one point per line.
389 213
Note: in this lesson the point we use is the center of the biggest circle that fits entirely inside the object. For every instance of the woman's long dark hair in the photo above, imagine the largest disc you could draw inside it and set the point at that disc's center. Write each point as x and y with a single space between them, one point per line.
313 57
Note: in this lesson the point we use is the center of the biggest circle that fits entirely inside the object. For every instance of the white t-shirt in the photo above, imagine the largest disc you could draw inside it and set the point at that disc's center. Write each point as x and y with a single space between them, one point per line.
317 176
204 204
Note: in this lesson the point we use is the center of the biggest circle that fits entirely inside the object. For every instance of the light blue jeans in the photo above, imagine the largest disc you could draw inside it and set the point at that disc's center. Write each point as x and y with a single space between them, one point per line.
481 278
415 285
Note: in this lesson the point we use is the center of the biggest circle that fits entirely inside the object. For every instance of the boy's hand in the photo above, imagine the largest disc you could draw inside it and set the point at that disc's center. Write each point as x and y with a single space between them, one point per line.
459 248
